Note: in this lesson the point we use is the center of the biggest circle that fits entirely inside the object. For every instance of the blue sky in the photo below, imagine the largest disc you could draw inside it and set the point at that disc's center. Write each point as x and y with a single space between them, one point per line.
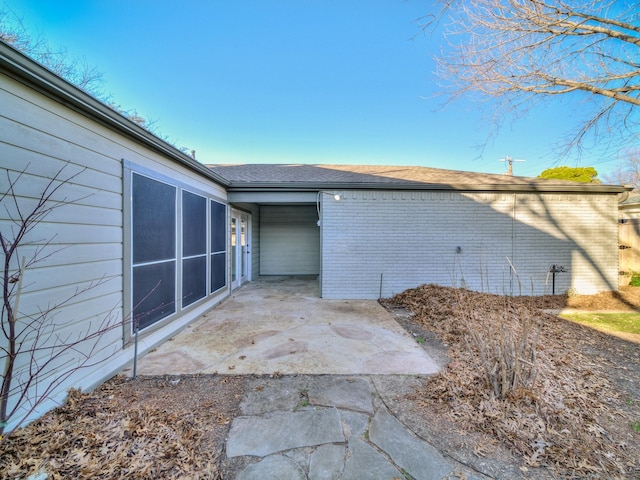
284 81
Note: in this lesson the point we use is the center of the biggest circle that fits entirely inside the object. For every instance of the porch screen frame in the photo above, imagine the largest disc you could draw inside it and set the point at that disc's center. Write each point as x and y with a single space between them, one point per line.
186 253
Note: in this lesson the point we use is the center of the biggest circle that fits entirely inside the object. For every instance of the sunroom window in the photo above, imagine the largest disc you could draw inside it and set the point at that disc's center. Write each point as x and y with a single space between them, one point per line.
178 248
194 247
218 246
153 227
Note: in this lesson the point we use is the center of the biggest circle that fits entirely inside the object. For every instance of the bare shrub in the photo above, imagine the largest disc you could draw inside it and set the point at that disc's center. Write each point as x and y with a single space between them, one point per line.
502 334
505 340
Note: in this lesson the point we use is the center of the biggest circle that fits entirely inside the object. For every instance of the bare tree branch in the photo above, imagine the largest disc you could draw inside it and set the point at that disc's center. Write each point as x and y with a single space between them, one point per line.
519 52
31 344
628 173
78 71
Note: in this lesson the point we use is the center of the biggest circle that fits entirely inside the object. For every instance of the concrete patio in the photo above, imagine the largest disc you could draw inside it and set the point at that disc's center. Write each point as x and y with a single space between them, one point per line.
325 416
280 325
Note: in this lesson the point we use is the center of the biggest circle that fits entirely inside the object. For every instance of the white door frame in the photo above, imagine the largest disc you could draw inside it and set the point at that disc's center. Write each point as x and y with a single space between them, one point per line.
240 230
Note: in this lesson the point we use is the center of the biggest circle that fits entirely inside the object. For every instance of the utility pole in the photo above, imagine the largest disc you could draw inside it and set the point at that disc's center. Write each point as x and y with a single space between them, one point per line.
510 161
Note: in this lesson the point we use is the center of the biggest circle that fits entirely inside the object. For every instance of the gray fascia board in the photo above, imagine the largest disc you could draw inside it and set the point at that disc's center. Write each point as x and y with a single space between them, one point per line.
272 197
279 187
27 71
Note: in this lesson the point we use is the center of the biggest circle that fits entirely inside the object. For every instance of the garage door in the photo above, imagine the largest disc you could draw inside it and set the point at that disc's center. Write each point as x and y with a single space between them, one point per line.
289 240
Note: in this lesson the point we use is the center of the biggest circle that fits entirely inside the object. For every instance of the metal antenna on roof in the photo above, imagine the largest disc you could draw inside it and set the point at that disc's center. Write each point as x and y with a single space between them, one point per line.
510 161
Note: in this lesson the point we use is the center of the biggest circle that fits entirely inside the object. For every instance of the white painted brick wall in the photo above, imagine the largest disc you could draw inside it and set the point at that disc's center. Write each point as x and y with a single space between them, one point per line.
388 241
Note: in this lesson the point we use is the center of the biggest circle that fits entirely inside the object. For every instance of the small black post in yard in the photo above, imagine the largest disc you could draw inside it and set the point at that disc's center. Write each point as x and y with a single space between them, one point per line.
135 350
555 269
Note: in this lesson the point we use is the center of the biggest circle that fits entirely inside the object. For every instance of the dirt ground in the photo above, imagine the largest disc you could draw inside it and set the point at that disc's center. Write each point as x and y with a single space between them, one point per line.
175 427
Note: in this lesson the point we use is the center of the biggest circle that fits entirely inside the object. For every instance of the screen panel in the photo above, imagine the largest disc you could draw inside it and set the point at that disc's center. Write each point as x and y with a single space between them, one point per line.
218 255
194 279
153 220
154 289
194 224
218 271
218 226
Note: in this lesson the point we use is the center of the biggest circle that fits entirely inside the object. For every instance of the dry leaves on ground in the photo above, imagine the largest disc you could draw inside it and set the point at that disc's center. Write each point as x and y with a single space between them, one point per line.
627 298
574 420
144 429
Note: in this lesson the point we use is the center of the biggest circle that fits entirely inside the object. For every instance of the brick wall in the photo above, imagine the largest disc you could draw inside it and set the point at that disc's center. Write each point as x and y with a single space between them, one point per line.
387 241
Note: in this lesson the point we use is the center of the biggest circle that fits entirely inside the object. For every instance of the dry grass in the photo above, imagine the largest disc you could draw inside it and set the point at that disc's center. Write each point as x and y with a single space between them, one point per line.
567 419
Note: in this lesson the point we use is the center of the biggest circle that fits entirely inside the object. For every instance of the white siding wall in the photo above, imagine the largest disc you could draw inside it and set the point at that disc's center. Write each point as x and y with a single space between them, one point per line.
384 241
40 136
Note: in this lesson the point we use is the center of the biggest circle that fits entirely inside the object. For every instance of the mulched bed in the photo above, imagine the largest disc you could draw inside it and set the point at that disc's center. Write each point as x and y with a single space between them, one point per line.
149 428
575 419
627 298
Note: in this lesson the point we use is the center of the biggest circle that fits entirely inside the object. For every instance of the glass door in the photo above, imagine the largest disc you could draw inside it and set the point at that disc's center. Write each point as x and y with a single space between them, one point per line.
240 251
244 250
234 252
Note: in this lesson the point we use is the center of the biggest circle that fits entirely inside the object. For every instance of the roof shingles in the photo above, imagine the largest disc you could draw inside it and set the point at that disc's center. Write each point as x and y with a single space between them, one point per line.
381 176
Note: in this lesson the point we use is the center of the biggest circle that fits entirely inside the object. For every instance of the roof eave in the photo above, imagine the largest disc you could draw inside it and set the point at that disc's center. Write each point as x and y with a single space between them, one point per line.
299 186
25 70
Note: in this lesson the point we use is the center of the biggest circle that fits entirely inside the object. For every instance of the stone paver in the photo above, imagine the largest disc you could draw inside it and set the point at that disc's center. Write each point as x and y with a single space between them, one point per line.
327 462
366 463
275 467
417 457
261 435
354 423
342 392
329 427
